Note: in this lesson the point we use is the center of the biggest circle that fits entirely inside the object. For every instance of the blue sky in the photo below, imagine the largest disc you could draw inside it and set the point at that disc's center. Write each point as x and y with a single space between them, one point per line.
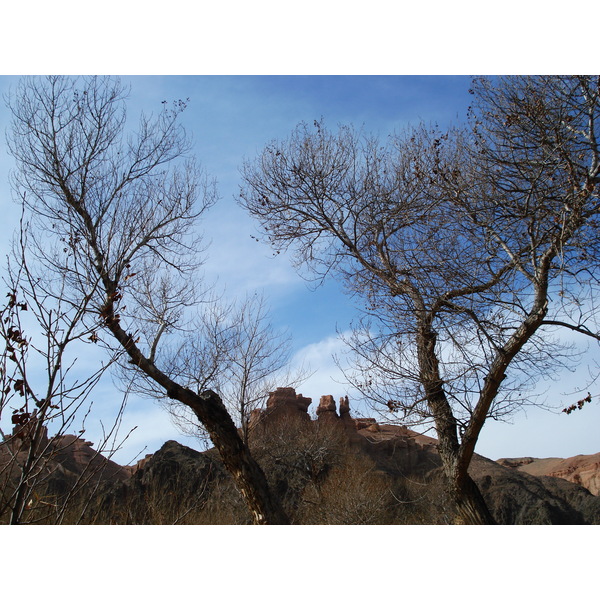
231 118
322 37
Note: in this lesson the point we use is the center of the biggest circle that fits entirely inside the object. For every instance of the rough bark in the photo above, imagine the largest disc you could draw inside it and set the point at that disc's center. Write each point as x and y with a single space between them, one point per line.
468 502
249 477
471 508
208 407
119 201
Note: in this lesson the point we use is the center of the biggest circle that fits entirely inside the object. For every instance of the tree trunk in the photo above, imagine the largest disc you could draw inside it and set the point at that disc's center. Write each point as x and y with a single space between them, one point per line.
471 508
249 477
468 503
211 412
27 479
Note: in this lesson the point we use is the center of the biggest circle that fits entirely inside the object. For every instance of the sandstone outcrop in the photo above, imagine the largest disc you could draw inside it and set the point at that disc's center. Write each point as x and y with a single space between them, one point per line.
584 470
78 456
327 411
68 455
345 408
282 404
334 468
22 434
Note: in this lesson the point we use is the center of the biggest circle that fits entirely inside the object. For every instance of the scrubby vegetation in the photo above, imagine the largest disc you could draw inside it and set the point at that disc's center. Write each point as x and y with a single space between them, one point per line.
322 473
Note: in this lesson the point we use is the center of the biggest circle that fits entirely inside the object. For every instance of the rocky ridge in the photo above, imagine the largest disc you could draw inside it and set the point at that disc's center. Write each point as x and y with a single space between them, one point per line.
332 469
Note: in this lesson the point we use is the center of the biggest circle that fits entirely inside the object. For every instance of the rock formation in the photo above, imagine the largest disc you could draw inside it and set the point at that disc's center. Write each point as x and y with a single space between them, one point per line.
69 455
282 404
78 456
22 434
326 411
344 408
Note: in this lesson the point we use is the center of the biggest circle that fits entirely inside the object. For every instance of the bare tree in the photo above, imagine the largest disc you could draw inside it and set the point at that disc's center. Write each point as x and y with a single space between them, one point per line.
126 206
45 391
470 248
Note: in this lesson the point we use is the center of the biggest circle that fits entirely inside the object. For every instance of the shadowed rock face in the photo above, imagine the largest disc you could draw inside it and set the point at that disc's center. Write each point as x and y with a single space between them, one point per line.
518 498
59 478
345 408
162 488
522 497
68 454
77 455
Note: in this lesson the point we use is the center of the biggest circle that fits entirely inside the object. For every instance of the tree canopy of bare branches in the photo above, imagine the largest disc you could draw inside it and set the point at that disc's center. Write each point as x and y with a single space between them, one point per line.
115 215
470 247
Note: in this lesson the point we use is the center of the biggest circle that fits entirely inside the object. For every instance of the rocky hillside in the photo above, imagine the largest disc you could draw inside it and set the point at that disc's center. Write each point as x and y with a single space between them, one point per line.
332 470
62 475
582 469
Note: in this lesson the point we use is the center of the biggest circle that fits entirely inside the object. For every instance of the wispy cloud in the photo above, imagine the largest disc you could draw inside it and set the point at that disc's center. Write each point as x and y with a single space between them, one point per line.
236 261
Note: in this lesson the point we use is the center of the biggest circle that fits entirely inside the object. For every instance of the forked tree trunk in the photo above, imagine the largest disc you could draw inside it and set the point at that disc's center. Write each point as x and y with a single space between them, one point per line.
468 503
